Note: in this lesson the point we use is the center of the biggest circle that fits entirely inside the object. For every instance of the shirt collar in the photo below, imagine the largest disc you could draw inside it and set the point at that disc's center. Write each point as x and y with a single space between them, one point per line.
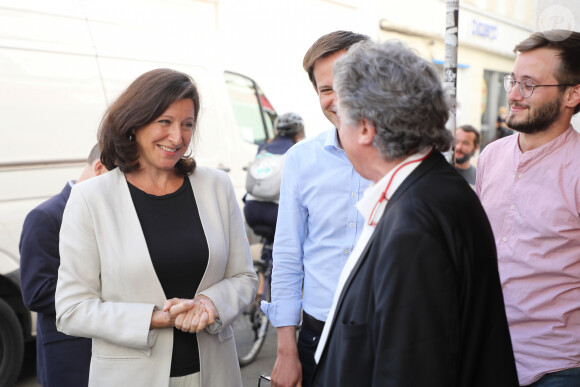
331 141
373 193
548 147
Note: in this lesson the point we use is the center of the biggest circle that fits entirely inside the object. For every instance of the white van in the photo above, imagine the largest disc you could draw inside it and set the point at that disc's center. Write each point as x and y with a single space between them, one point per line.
61 63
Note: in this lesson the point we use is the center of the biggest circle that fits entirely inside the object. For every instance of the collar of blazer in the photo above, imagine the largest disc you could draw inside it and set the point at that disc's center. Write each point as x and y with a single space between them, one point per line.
65 193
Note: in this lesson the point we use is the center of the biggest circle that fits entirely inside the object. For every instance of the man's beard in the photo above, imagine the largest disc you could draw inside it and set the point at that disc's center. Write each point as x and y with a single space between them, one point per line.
538 119
464 159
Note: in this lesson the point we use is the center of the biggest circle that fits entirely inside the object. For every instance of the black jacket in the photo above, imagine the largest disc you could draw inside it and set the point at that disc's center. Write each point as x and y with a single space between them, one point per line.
424 305
62 360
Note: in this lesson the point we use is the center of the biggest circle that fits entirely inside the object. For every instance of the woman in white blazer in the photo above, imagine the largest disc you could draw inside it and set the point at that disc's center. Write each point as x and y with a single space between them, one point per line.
155 263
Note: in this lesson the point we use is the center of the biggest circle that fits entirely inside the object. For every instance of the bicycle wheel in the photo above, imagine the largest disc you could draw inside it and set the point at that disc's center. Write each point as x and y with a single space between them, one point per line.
251 326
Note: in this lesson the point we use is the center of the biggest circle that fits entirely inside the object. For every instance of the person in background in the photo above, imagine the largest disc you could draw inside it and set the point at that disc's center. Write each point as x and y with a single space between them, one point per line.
466 145
61 360
317 227
501 127
289 130
529 185
419 301
155 262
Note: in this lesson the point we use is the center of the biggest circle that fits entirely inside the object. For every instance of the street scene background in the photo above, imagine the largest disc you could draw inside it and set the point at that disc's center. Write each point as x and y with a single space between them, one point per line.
267 39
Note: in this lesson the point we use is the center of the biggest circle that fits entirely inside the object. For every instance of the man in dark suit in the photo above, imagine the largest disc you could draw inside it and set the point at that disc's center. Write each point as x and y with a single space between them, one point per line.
62 360
419 301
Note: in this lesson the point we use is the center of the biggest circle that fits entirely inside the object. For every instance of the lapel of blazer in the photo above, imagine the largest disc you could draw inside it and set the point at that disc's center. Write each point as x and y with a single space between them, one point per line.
200 193
420 171
209 196
131 235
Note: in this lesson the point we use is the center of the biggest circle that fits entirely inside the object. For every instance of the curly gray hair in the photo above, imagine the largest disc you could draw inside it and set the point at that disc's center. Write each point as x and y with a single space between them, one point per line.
399 92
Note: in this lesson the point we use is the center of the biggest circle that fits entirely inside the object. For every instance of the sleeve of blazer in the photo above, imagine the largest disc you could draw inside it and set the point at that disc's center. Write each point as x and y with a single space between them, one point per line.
417 320
39 261
79 308
237 289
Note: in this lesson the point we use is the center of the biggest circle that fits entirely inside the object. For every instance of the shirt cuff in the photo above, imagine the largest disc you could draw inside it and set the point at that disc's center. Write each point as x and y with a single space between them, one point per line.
282 314
151 337
214 328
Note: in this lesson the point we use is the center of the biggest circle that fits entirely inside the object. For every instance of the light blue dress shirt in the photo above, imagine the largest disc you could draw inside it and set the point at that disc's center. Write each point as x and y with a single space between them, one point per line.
318 226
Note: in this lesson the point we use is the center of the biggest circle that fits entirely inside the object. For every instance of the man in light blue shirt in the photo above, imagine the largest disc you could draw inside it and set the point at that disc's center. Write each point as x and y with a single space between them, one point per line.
318 225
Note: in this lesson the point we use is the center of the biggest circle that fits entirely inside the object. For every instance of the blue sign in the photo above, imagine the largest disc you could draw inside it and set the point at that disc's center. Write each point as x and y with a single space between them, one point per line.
484 30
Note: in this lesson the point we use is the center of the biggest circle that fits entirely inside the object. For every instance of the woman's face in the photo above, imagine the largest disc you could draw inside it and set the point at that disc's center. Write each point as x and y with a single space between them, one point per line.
165 140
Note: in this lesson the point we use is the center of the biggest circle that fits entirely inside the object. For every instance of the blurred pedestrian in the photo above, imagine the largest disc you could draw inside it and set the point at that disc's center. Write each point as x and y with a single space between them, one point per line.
466 145
501 127
262 211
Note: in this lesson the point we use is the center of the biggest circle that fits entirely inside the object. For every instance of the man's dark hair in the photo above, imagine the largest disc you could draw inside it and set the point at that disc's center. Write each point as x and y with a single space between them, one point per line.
147 98
567 44
94 154
327 45
471 129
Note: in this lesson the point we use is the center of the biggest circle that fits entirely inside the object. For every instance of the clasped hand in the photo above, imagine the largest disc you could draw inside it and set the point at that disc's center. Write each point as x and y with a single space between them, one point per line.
190 315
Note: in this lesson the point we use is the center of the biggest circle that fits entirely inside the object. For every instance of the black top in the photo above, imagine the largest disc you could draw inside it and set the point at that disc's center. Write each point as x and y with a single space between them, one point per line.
179 252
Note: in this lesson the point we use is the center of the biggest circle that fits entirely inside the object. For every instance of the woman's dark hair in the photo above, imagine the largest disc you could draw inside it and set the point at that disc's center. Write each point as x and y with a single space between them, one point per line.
147 98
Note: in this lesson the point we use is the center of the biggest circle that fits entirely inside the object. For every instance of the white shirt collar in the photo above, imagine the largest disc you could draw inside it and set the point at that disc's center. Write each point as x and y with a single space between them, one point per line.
373 193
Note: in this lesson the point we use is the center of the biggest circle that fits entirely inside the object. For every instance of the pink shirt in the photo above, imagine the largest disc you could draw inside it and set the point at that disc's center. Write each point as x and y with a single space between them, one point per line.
532 200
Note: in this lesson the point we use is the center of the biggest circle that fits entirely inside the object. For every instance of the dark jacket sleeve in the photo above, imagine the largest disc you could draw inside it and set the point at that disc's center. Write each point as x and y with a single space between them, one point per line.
39 260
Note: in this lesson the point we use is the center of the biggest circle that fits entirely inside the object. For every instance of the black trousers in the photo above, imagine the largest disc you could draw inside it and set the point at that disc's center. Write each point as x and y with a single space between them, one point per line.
308 339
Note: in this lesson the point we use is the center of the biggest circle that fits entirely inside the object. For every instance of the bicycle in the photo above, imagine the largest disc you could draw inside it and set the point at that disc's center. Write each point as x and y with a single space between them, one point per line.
251 326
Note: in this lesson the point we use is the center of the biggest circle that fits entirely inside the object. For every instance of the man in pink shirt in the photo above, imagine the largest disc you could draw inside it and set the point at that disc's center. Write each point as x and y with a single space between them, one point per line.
529 185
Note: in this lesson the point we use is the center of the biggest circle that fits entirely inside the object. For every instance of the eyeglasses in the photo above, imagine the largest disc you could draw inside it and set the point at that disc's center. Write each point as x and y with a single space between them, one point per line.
526 86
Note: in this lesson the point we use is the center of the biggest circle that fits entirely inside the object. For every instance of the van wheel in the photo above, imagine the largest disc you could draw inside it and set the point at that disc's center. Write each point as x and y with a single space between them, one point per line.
11 345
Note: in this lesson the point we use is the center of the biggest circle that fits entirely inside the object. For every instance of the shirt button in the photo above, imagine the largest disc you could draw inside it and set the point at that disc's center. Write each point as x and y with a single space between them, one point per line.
353 194
504 239
512 207
351 224
520 176
346 251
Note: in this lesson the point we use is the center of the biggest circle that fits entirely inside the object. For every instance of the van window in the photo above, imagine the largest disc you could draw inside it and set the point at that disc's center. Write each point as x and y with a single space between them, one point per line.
254 113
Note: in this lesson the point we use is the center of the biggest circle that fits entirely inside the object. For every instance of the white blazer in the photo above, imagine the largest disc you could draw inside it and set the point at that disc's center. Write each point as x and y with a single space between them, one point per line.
107 286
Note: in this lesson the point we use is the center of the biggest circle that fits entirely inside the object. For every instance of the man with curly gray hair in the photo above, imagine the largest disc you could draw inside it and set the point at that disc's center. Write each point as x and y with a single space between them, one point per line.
419 301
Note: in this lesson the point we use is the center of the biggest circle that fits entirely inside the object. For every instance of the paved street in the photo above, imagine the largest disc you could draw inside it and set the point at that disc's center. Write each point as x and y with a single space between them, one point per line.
250 373
264 362
28 372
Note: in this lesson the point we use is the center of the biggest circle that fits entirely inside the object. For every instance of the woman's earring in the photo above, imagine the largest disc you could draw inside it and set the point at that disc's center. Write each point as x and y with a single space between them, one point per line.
132 136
